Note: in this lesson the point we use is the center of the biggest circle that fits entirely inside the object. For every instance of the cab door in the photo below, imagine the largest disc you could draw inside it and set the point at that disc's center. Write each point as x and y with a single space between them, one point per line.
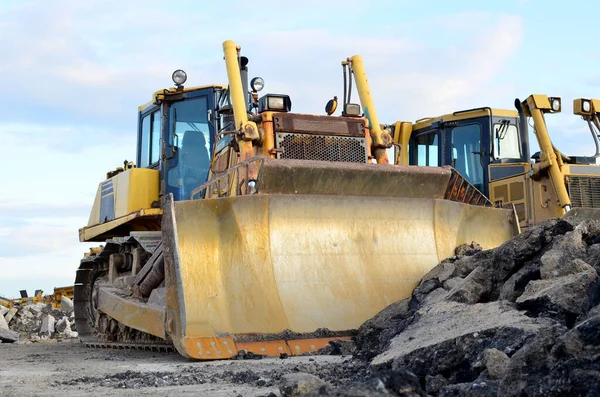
468 154
189 136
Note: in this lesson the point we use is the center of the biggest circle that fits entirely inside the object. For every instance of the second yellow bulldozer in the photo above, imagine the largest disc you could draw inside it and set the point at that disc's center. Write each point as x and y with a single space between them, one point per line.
490 148
242 226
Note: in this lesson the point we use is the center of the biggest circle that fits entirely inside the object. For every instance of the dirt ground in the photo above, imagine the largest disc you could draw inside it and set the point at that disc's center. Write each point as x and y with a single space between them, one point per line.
70 369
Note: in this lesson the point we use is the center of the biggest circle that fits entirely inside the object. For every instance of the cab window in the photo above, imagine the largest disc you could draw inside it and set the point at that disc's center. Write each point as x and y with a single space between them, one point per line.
506 141
466 153
190 133
427 150
150 139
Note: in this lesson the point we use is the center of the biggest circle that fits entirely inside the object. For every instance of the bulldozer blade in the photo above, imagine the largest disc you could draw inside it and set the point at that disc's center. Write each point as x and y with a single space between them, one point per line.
286 273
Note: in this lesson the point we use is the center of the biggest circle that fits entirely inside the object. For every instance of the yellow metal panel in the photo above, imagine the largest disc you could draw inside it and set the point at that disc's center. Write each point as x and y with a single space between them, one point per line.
538 101
142 183
263 264
135 189
91 232
465 115
143 188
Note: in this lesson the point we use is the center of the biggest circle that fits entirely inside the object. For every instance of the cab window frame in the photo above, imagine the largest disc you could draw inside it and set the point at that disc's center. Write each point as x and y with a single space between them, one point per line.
149 138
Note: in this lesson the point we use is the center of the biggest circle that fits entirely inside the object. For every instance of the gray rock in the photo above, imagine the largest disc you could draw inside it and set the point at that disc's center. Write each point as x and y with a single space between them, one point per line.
554 265
471 389
452 283
475 287
433 384
338 348
362 390
594 311
435 296
467 249
447 321
399 383
422 291
440 272
528 365
496 362
3 310
296 384
584 339
374 334
465 265
66 305
512 255
47 328
593 256
515 285
558 297
557 261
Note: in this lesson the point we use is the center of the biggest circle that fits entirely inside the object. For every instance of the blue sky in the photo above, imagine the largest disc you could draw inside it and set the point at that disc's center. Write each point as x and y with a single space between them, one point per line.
73 74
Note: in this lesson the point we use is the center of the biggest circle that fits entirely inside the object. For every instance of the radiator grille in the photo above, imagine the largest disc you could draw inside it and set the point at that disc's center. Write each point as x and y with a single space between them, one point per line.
584 191
318 147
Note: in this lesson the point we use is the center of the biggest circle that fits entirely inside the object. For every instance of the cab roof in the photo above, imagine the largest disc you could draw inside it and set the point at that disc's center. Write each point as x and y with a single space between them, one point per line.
465 114
160 94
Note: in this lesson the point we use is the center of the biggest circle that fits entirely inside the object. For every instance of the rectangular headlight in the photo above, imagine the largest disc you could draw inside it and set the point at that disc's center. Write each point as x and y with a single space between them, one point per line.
275 102
351 109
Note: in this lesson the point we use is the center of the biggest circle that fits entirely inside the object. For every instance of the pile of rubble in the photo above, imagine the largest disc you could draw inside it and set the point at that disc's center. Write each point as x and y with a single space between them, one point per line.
37 321
519 320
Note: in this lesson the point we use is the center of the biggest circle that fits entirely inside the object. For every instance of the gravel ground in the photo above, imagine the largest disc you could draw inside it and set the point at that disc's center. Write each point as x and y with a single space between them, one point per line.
70 369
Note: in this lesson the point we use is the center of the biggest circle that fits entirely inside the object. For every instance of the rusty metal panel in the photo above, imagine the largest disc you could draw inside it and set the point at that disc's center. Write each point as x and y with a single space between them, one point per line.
321 147
459 189
320 125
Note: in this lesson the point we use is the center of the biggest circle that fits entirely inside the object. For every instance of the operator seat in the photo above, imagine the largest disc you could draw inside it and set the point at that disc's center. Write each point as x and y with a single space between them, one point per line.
195 161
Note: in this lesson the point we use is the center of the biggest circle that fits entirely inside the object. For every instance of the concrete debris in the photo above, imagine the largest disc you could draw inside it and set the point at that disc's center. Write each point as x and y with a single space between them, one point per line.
35 322
10 315
3 310
522 319
66 305
47 328
6 335
3 323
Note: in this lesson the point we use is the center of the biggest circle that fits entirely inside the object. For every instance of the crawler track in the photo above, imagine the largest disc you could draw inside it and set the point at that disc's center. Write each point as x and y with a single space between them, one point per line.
96 329
131 346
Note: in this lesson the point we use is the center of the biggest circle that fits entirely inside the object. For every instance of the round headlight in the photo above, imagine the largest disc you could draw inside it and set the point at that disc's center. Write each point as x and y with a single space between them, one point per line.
555 105
179 77
586 106
257 84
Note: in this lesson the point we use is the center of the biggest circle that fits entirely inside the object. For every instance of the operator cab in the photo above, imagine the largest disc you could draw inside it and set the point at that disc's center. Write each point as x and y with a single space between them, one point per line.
176 135
469 141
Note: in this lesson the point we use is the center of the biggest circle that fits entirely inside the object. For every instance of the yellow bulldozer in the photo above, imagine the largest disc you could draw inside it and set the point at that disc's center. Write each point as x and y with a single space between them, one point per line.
490 148
245 227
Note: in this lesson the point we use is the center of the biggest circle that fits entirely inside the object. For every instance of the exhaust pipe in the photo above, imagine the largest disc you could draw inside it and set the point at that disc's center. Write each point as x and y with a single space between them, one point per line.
523 131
